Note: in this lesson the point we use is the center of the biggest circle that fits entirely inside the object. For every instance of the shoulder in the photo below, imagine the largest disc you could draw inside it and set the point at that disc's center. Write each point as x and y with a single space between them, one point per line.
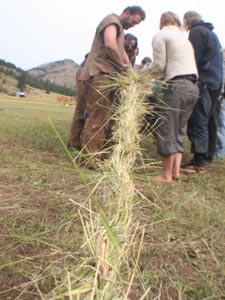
168 34
158 37
109 20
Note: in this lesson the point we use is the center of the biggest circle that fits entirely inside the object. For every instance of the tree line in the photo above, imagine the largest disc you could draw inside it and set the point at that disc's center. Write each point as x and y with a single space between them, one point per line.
24 79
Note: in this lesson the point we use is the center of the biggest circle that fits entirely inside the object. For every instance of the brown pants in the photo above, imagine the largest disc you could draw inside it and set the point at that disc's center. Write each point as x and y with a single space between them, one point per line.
99 107
79 114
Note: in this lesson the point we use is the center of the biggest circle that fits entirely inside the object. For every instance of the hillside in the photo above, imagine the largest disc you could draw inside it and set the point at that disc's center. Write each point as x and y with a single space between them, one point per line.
8 84
59 72
9 74
57 77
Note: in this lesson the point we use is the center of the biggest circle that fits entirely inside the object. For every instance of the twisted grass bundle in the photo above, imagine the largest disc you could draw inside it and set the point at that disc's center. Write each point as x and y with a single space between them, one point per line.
110 230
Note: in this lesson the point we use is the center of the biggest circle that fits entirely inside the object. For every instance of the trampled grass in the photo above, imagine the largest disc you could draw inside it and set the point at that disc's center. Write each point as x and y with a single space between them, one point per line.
41 242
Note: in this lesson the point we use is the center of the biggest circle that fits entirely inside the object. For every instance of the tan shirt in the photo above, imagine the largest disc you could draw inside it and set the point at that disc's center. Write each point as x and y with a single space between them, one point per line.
98 62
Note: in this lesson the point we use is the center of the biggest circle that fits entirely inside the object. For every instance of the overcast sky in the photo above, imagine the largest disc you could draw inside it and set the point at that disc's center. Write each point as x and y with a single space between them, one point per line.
34 32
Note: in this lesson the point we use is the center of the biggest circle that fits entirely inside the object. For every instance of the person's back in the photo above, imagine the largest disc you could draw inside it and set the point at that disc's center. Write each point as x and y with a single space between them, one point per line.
202 125
208 52
179 59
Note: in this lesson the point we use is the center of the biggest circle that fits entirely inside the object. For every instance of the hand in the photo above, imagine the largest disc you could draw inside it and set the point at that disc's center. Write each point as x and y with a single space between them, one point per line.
126 66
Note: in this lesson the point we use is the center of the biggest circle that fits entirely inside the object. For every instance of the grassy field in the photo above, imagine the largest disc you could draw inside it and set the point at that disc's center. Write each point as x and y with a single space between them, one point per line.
41 234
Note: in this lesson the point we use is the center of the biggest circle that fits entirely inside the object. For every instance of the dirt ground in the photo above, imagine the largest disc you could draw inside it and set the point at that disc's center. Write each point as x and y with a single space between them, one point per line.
41 232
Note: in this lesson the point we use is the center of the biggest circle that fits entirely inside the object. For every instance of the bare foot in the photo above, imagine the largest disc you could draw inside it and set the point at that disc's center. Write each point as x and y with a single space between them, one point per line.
176 174
176 177
162 178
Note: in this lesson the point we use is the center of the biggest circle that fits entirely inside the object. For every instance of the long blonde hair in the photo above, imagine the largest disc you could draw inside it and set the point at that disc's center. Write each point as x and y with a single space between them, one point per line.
170 18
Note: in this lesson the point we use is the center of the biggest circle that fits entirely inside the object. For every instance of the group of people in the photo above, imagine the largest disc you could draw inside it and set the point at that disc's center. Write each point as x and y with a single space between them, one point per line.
192 72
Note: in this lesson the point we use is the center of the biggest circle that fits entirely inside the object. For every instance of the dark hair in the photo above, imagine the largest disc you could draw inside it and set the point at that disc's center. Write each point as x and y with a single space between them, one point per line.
189 17
130 48
135 10
146 60
129 37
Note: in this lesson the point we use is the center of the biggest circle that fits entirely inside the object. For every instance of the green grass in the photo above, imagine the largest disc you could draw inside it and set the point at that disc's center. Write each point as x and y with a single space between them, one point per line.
40 229
28 122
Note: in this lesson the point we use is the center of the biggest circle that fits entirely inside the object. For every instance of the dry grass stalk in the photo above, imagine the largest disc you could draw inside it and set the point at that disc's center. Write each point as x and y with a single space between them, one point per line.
110 234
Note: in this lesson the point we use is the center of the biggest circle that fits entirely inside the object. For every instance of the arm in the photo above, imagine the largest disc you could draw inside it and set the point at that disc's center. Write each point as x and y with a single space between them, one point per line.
126 59
110 35
159 54
158 65
204 44
198 43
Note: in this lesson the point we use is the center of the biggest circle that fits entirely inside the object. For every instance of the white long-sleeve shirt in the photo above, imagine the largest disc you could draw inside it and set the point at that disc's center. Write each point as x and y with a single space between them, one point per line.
173 54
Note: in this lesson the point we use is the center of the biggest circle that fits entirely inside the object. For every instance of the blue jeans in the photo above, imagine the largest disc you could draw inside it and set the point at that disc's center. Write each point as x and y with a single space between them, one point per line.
220 145
202 125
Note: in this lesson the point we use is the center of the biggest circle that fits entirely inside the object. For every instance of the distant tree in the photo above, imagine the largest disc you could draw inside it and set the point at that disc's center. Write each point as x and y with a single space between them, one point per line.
7 64
10 72
22 81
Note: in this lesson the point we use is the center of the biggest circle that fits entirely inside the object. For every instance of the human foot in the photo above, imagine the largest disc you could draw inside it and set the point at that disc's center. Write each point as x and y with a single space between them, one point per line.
162 178
176 176
193 169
